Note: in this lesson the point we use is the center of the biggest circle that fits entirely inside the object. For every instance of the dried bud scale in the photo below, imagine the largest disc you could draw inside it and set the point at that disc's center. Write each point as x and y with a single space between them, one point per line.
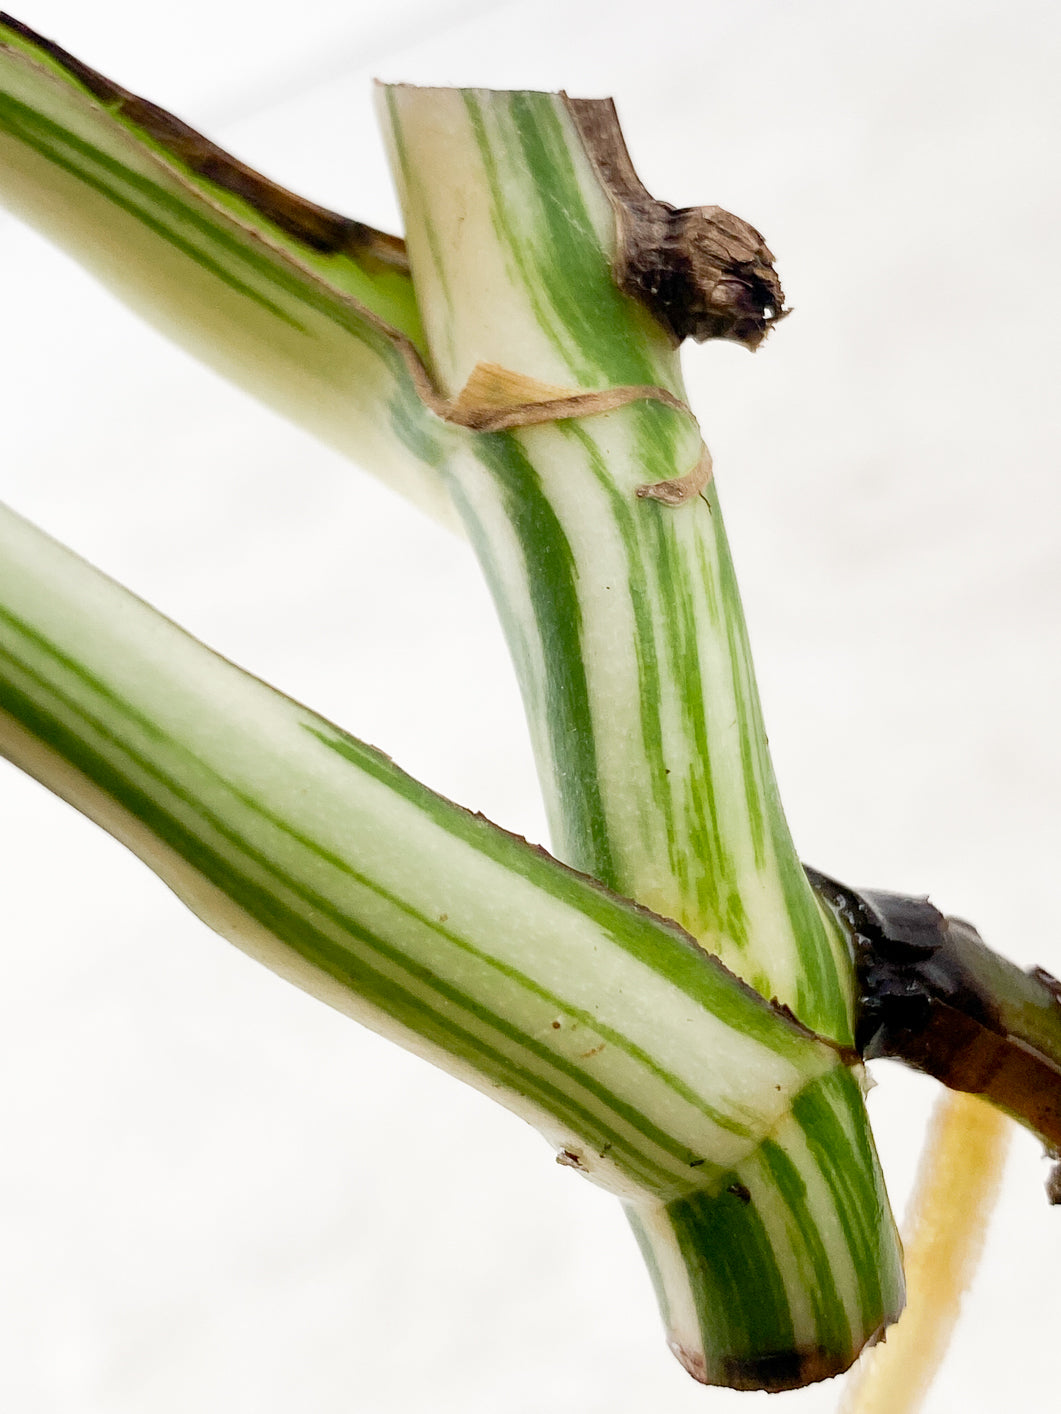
703 272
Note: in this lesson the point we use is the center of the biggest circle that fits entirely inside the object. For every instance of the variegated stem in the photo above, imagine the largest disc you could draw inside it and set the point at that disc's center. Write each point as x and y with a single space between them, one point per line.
738 1141
622 611
649 1066
625 623
303 308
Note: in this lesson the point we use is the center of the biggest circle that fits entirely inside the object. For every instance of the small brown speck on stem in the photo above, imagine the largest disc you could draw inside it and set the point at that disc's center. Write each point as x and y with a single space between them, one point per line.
569 1159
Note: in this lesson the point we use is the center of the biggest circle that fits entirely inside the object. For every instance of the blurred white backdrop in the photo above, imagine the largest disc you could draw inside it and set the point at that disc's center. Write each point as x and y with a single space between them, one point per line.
206 1179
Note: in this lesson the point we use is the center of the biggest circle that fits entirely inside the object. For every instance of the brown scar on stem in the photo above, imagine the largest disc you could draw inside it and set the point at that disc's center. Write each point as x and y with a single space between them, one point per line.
701 271
569 1159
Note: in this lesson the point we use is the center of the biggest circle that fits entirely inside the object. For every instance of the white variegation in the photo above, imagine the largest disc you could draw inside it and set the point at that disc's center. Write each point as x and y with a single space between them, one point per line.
647 1065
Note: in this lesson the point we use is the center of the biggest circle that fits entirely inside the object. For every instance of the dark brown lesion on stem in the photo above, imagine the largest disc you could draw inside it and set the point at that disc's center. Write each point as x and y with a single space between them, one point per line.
703 272
315 226
933 995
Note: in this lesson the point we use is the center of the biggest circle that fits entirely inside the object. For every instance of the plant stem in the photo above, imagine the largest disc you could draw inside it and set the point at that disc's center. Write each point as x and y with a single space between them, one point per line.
291 302
623 617
639 1057
622 613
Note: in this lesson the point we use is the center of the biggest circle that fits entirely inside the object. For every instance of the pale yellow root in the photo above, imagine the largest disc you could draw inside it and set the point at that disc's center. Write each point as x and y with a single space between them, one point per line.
957 1184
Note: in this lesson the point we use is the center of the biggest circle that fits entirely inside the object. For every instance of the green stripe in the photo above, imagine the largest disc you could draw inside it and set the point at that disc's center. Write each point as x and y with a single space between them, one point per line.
836 1134
709 873
553 592
563 274
39 133
657 943
823 1001
641 604
414 430
704 857
740 1282
668 652
21 122
832 1327
408 1007
713 823
741 1301
160 207
315 901
151 768
435 1024
519 256
385 290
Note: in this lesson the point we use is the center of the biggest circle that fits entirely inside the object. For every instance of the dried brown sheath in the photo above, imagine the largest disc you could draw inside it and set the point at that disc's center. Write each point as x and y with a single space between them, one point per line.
320 229
703 273
934 996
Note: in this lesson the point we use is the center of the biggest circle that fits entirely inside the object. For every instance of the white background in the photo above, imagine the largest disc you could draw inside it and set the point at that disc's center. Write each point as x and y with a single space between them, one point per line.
214 1193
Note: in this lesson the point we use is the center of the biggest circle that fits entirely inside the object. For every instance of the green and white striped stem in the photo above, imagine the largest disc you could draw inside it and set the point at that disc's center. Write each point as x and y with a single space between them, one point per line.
649 1066
302 308
736 1138
622 611
626 627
